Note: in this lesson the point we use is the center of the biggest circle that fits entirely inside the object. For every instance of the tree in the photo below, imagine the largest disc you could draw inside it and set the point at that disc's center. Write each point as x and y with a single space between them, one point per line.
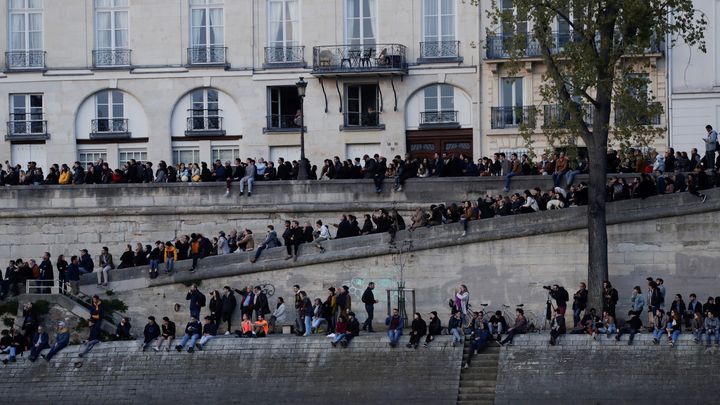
595 65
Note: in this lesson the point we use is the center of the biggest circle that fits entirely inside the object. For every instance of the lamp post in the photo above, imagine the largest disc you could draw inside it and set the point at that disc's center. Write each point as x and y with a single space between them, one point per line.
302 169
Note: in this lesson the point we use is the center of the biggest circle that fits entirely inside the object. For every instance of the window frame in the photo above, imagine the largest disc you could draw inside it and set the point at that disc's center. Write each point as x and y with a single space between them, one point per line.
26 11
438 15
113 10
374 22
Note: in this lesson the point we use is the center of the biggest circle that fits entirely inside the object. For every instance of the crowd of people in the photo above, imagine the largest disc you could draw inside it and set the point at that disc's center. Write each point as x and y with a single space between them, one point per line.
333 317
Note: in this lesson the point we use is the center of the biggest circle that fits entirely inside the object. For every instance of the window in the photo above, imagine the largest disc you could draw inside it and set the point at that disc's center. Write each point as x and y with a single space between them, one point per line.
26 114
110 112
204 110
438 20
360 22
521 28
283 23
111 33
225 153
186 156
511 91
283 104
92 156
440 98
511 112
140 155
26 36
361 105
206 32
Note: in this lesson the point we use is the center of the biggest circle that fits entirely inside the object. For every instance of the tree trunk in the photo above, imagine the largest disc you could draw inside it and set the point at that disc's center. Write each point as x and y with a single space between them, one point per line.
597 230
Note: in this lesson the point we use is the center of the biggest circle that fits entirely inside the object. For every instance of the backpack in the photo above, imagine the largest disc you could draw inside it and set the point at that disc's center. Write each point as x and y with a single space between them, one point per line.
201 299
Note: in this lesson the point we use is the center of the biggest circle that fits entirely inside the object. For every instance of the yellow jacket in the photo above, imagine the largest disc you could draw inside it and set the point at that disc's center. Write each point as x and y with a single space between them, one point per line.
64 178
170 250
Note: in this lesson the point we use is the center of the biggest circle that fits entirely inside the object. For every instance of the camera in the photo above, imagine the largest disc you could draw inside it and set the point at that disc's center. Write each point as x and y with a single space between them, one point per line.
547 287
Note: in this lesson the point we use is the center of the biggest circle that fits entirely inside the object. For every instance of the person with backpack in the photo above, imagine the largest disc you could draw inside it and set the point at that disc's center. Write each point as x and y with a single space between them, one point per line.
561 297
197 301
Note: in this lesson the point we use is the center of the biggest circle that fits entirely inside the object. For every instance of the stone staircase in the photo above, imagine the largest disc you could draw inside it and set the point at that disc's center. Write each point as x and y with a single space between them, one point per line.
478 382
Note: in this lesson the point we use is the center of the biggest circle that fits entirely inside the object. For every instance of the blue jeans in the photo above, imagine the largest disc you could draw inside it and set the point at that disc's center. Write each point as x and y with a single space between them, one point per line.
570 177
609 330
557 178
308 325
697 334
54 350
711 333
394 336
154 264
169 265
658 333
457 336
83 271
259 251
370 309
576 316
674 336
339 337
11 352
193 339
508 178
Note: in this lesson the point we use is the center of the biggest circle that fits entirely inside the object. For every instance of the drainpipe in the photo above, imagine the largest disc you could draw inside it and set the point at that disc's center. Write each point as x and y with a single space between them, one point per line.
668 86
479 118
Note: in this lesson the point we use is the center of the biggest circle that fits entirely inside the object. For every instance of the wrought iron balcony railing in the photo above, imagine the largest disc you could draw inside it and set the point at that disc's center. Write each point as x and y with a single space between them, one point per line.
282 123
283 56
439 50
204 122
104 128
633 118
22 60
24 126
355 120
375 58
439 119
103 58
207 55
555 115
498 45
512 117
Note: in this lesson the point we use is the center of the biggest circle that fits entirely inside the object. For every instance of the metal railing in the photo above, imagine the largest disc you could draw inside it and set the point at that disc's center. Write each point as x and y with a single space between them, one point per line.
438 117
24 124
633 118
499 45
511 117
109 127
204 121
207 55
284 54
359 58
25 59
555 115
111 57
439 49
43 286
362 120
276 121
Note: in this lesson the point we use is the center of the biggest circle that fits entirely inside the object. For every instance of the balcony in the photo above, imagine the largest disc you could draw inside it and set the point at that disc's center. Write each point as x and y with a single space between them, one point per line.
358 60
556 116
498 45
284 57
22 127
109 128
207 56
512 117
354 121
440 52
439 120
25 60
281 123
633 118
204 123
111 58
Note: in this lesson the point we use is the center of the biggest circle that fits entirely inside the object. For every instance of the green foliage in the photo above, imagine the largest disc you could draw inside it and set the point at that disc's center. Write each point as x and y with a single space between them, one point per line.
9 307
42 307
598 65
115 305
188 283
8 321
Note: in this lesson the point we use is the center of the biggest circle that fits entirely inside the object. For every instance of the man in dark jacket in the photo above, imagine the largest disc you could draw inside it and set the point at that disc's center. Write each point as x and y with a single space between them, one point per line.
296 238
78 176
610 298
122 331
209 332
368 169
192 334
632 326
167 334
261 305
229 303
579 303
379 173
434 328
40 342
73 275
197 301
93 338
353 329
151 332
46 272
307 312
271 241
86 262
368 298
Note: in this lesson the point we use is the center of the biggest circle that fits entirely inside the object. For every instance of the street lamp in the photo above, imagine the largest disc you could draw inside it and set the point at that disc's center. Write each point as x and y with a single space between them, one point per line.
302 169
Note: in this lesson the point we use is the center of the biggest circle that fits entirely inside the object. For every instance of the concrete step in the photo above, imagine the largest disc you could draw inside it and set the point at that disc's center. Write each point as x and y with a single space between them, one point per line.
472 398
477 383
477 390
468 377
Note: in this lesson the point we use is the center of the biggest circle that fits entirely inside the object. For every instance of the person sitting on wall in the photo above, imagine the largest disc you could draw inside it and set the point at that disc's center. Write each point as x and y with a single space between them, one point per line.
497 325
93 337
192 334
122 332
558 327
62 338
209 332
520 327
418 330
480 337
712 327
260 327
246 327
40 341
167 335
434 329
395 325
150 333
588 324
632 326
455 328
608 324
